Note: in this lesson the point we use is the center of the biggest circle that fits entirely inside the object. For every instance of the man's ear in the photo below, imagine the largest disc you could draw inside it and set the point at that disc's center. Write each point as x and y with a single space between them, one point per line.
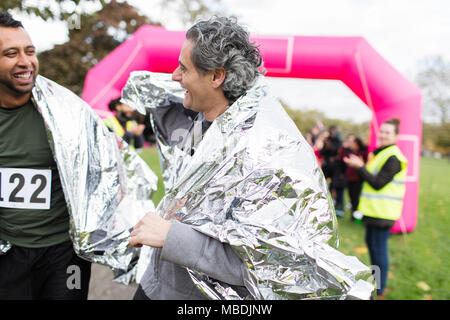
218 77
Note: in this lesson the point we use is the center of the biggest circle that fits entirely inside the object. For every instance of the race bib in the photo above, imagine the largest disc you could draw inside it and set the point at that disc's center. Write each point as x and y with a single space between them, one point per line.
25 188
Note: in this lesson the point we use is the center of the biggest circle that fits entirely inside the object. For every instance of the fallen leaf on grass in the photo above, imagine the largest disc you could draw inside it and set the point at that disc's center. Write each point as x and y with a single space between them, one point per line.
423 285
360 250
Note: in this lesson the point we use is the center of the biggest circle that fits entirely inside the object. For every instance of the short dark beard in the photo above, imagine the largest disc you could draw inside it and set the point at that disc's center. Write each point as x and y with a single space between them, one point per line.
15 90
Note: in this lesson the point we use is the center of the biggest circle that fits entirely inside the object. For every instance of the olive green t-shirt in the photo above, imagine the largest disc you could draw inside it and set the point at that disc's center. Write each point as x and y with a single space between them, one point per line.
33 211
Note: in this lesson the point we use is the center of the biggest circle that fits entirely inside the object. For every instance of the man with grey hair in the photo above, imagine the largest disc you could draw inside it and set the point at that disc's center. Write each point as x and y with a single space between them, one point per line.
217 65
246 213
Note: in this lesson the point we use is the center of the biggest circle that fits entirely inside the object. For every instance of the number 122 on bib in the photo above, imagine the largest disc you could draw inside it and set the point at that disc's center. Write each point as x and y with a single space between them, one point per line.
25 188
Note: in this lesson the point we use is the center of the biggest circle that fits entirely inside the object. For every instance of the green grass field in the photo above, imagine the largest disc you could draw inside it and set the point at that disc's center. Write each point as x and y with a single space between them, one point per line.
419 261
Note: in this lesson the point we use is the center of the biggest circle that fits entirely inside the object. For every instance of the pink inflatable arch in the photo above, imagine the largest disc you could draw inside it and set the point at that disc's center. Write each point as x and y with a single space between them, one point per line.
350 59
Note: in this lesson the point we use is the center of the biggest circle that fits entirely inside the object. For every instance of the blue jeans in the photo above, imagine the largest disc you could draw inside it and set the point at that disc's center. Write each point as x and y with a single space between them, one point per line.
377 243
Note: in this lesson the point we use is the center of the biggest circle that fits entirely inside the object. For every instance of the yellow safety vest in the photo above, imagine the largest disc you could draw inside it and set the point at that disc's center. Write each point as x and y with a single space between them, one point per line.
387 202
114 124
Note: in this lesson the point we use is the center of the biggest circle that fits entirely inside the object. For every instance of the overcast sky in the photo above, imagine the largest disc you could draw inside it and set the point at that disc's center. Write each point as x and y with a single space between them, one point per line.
402 31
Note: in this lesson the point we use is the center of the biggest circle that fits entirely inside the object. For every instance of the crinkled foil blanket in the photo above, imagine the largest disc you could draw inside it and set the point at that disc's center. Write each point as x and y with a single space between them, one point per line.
107 186
253 182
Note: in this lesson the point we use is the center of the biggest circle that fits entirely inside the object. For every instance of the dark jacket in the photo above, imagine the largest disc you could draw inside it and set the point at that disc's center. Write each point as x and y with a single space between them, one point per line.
351 174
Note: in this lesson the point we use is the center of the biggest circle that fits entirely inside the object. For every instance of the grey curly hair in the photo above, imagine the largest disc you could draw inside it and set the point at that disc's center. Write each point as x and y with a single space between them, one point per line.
221 42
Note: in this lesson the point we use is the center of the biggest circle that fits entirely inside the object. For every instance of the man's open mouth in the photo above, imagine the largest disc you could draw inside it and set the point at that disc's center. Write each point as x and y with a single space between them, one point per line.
23 75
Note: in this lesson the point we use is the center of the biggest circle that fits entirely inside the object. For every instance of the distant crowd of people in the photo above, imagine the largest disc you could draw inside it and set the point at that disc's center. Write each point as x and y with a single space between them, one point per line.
330 151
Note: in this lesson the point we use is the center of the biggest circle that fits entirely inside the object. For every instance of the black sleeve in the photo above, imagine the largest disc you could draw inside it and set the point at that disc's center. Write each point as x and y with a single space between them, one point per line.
138 141
384 176
127 136
171 120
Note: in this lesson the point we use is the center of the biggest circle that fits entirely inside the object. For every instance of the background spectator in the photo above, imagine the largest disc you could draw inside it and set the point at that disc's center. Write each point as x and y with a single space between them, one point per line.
353 145
333 169
123 123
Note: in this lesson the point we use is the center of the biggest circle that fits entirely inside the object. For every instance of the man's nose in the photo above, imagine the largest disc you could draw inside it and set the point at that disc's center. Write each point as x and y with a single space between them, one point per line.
176 74
24 60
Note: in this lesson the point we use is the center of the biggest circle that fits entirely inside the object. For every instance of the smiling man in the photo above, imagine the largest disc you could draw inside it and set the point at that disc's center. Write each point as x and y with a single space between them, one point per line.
204 91
61 192
246 212
33 211
19 65
217 64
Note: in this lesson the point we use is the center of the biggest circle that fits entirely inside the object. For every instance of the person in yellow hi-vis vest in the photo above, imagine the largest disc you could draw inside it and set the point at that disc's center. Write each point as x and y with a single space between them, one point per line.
123 124
382 195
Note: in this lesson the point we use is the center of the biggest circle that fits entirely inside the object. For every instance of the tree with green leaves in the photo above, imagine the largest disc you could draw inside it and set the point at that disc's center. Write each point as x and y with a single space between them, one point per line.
55 9
305 120
191 10
92 38
434 80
